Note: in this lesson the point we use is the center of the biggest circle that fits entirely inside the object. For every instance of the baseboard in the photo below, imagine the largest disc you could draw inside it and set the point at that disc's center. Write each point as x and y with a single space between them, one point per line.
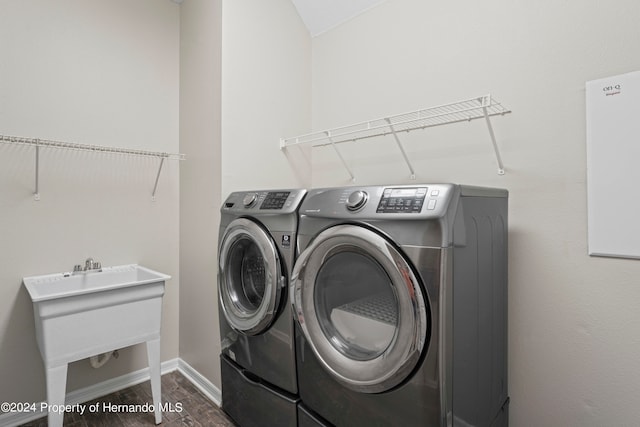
205 386
109 386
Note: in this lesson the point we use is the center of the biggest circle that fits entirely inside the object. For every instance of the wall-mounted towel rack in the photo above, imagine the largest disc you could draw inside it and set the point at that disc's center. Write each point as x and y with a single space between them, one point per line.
461 111
40 143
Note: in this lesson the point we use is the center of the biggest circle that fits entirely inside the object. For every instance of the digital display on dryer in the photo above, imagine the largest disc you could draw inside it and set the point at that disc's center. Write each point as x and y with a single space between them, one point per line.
402 200
275 200
403 192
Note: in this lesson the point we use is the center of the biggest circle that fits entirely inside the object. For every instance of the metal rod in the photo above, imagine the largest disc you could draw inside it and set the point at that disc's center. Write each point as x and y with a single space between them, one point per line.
155 186
344 163
36 194
493 141
404 153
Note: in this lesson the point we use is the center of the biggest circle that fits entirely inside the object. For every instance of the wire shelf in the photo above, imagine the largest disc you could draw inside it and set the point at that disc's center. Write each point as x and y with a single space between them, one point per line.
47 143
481 107
85 147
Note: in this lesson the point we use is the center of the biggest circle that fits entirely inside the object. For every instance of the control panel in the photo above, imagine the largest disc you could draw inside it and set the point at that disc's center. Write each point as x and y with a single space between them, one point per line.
357 200
264 202
402 200
275 200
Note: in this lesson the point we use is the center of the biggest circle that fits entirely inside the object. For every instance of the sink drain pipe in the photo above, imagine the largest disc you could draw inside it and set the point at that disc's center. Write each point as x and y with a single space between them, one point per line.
99 360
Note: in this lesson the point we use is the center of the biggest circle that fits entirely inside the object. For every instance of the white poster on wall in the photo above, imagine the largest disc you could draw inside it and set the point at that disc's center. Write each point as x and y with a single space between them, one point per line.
613 165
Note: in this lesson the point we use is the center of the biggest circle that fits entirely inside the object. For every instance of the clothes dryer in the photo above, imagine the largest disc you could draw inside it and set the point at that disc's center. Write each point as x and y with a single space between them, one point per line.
400 297
255 258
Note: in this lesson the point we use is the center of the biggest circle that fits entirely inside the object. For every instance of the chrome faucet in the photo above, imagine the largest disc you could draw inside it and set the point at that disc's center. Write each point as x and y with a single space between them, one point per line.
89 265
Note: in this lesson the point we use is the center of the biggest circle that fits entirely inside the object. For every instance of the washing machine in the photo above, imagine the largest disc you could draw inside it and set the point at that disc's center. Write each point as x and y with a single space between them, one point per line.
400 300
256 254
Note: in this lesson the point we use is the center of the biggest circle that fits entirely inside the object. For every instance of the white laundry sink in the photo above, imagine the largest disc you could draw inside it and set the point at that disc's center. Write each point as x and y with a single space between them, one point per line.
79 315
84 314
58 285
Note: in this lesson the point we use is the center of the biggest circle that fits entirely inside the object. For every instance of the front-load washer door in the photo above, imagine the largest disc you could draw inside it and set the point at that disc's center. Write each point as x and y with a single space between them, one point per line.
251 278
360 307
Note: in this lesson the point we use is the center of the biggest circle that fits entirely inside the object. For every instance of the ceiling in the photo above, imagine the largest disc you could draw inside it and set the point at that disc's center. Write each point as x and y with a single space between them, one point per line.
321 16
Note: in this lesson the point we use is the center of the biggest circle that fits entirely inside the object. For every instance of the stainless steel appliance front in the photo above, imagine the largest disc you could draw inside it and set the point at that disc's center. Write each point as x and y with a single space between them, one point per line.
361 307
255 258
399 293
251 277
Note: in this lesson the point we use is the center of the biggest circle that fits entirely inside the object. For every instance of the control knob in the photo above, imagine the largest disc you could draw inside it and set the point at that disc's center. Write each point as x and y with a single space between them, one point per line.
249 199
357 200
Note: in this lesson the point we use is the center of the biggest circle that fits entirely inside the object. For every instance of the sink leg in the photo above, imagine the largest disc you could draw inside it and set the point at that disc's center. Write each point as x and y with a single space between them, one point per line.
153 354
56 390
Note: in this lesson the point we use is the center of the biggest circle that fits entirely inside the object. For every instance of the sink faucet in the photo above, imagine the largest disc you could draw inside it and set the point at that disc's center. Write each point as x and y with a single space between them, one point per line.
89 265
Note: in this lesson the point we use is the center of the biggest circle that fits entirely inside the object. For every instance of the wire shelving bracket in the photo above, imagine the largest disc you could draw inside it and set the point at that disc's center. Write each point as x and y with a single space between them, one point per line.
40 143
482 107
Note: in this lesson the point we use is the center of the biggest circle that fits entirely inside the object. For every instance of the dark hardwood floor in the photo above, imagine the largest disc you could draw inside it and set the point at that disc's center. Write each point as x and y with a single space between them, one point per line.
189 408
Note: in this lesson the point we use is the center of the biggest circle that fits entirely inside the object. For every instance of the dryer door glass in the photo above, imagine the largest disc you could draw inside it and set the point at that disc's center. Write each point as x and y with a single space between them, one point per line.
355 304
360 307
250 277
247 274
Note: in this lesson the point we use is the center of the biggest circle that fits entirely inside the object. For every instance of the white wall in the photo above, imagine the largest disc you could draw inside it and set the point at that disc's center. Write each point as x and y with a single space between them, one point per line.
106 72
245 82
131 74
266 94
200 199
574 323
93 72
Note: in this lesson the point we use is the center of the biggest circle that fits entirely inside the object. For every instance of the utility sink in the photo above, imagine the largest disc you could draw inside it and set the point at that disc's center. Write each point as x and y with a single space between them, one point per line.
83 314
60 285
